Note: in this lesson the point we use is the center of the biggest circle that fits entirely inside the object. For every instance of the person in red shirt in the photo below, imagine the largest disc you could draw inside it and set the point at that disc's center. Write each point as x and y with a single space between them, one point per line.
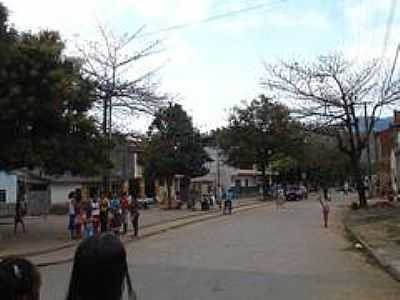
125 209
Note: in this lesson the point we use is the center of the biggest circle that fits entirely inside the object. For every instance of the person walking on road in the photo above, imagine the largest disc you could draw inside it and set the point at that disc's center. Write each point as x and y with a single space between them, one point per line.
228 202
325 210
134 211
103 213
20 212
280 199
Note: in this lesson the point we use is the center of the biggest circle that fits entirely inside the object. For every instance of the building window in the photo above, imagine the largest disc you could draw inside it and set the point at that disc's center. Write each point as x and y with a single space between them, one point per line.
3 196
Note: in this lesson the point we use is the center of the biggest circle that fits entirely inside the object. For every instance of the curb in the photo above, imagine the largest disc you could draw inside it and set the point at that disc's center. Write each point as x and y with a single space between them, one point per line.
200 219
380 259
42 251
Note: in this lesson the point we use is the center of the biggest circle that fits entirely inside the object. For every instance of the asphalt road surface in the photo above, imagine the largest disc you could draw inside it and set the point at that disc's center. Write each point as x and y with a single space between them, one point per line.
259 254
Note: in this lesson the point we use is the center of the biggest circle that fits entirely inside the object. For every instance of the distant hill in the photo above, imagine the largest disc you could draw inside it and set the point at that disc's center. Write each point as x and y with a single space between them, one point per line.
381 124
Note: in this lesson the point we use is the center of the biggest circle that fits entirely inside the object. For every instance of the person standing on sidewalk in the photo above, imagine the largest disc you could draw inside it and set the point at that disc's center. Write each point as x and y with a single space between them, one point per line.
71 214
96 215
134 211
125 212
115 216
20 212
103 213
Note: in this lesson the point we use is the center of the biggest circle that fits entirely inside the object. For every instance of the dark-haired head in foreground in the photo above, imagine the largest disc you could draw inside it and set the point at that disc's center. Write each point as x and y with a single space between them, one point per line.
19 280
100 270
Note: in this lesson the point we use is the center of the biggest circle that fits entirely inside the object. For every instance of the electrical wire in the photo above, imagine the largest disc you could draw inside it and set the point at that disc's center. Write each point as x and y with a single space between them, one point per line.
217 17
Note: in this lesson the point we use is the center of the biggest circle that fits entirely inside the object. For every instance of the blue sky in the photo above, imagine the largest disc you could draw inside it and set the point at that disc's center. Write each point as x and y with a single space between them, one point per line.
213 66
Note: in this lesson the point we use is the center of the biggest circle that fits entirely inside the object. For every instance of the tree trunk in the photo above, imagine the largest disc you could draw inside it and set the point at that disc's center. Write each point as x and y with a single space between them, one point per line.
359 183
264 183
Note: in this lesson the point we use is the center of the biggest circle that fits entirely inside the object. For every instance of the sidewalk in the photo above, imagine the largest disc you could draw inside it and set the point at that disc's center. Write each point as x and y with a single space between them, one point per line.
378 230
47 234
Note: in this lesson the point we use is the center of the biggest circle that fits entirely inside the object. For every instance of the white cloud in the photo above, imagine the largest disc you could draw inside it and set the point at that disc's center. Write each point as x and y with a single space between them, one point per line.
361 15
190 11
171 11
69 17
308 20
370 45
151 8
235 26
179 52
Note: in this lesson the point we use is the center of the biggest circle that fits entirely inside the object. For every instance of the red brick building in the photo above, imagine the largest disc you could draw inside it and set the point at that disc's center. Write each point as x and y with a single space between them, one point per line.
388 157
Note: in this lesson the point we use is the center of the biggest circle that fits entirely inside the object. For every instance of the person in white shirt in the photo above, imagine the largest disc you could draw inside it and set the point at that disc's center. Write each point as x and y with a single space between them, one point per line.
96 215
71 214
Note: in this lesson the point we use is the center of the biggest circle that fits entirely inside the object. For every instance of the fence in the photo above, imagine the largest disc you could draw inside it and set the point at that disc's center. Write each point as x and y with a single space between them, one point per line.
7 209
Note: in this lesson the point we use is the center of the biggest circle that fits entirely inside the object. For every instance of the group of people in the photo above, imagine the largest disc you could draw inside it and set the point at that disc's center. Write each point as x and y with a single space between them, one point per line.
99 261
109 213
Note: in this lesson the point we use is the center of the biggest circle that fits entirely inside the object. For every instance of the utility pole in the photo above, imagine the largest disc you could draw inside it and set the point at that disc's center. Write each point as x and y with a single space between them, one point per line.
218 173
105 134
368 148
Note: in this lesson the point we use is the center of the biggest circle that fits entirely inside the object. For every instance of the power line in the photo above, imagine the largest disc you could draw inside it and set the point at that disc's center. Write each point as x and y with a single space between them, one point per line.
389 81
217 17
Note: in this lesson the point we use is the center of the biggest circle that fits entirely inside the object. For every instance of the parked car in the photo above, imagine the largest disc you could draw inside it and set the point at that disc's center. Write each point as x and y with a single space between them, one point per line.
145 203
294 193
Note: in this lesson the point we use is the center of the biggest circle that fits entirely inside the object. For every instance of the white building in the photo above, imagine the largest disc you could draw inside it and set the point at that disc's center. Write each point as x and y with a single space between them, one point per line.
8 187
226 175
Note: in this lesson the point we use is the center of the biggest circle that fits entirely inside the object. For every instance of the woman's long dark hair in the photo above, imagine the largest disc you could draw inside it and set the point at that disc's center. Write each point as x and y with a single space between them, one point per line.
18 278
100 270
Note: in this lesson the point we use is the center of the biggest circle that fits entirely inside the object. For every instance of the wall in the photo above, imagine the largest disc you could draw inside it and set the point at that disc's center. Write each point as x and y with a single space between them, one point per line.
8 182
225 171
59 191
252 180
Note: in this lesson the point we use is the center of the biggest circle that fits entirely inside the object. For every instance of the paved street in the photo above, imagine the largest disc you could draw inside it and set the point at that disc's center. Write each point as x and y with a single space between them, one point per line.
260 254
52 231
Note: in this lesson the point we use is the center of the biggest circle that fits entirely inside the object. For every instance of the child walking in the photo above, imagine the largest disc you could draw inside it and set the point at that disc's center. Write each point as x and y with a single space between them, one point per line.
325 210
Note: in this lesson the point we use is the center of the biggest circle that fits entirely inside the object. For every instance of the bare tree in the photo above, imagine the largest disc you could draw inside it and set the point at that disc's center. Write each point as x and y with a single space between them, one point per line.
124 86
334 93
116 68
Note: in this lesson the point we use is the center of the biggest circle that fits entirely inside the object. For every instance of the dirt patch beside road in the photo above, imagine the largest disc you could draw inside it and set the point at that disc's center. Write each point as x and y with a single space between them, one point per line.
378 230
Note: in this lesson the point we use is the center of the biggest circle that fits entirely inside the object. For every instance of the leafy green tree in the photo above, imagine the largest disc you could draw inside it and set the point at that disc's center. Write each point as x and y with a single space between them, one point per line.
44 103
323 162
174 147
258 132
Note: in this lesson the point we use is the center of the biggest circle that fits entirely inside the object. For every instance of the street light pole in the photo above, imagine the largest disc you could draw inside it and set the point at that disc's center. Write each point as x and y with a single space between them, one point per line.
270 167
218 174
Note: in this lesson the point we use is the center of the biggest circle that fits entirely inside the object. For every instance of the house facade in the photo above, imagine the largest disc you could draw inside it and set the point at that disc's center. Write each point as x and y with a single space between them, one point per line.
388 157
222 176
43 191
